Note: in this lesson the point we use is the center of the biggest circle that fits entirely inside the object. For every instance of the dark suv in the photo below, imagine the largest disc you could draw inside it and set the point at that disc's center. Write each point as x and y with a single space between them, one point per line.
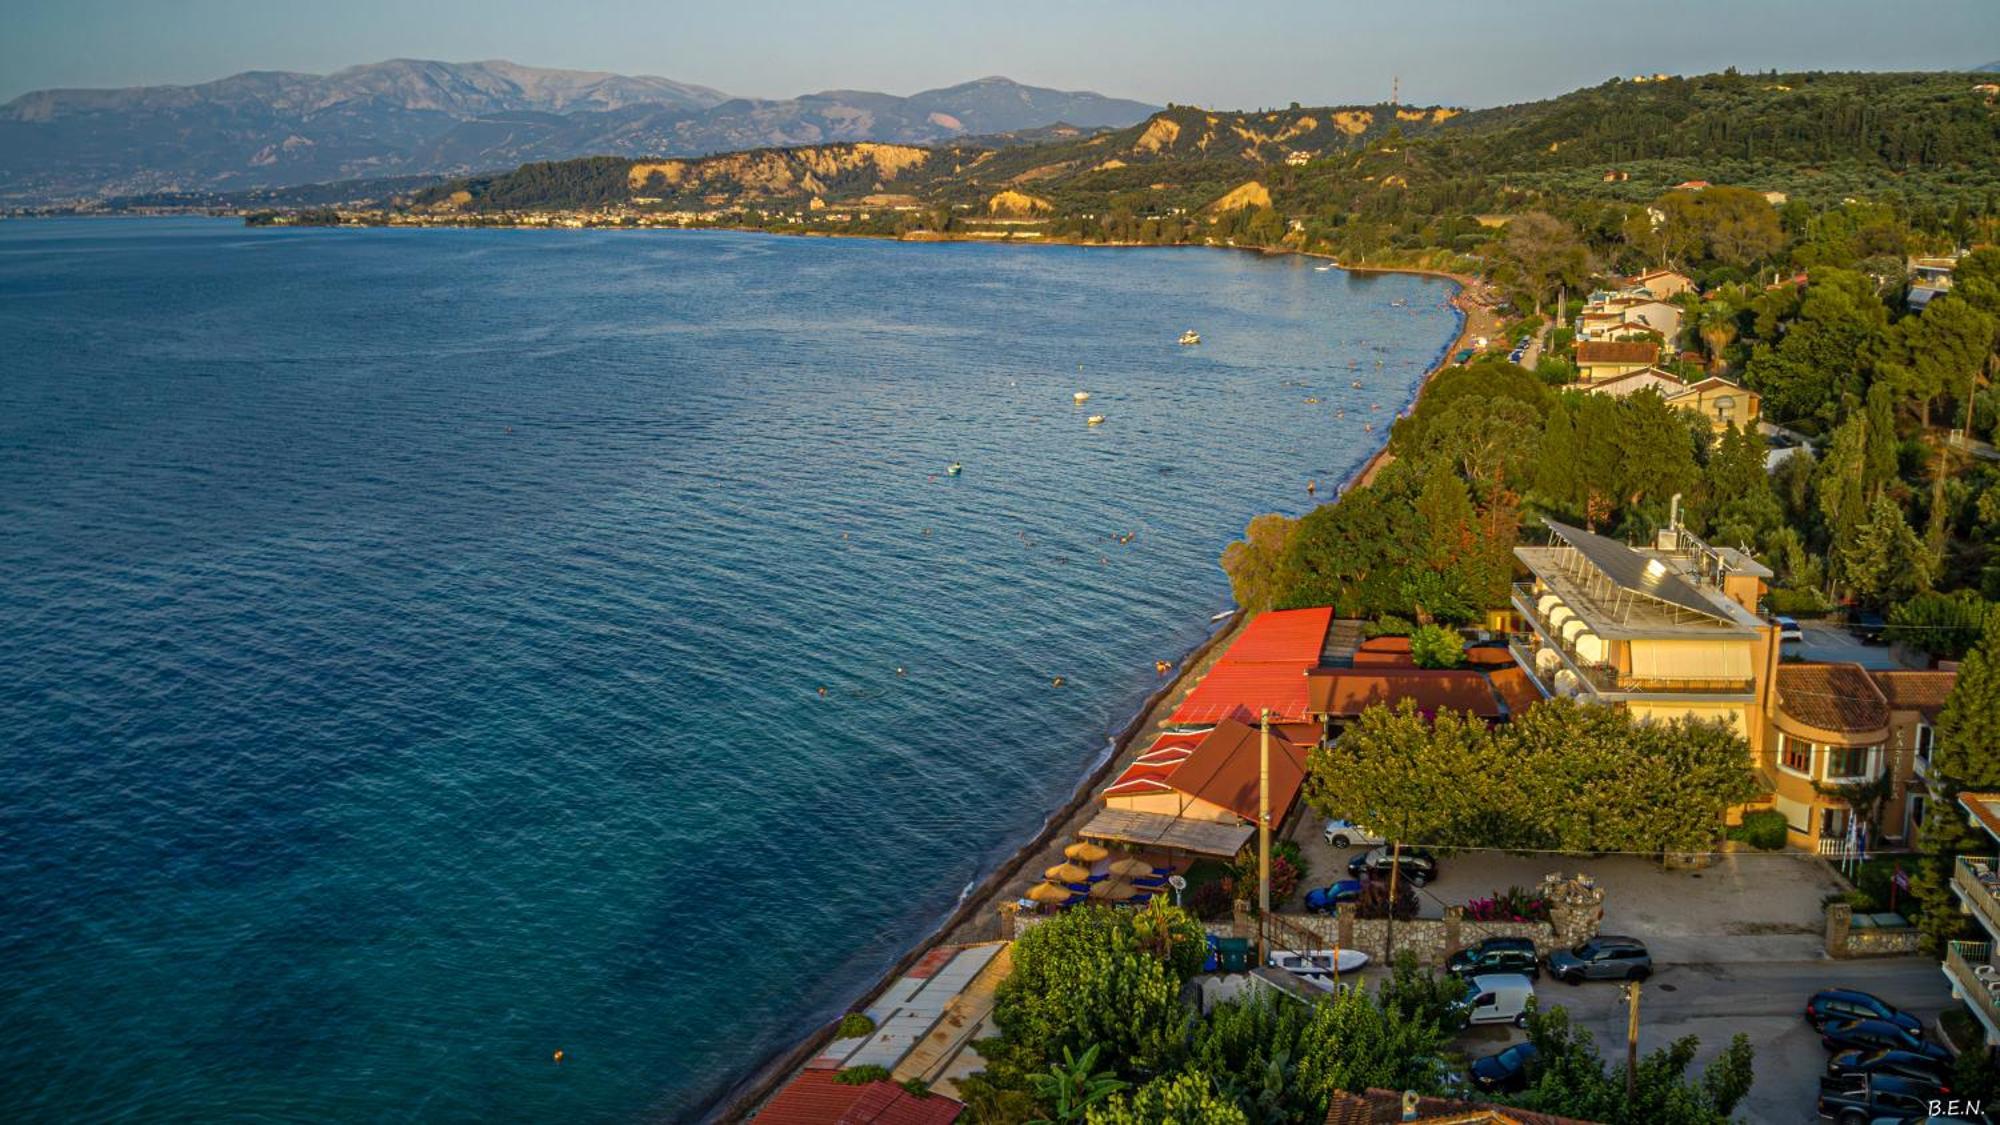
1837 1005
1862 1098
1418 865
1888 1061
1874 1034
1604 957
1496 955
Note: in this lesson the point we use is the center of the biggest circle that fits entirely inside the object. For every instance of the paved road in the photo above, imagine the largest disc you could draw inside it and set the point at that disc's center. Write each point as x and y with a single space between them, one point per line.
1763 1000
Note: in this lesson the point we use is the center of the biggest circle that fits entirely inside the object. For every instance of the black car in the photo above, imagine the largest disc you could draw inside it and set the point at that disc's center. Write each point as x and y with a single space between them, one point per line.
1891 1061
1838 1005
1878 1034
1862 1098
1496 955
1418 865
1604 957
1506 1071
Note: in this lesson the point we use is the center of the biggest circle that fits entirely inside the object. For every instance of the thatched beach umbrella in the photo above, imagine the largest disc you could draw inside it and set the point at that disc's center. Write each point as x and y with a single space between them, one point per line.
1049 893
1131 867
1085 852
1068 873
1113 891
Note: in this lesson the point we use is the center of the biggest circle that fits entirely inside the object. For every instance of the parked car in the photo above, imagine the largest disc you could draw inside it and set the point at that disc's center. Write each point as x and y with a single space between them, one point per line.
1862 1098
1496 955
1497 998
1506 1071
1417 865
1867 625
1889 1061
1326 900
1346 834
1872 1034
1839 1005
1604 957
1788 630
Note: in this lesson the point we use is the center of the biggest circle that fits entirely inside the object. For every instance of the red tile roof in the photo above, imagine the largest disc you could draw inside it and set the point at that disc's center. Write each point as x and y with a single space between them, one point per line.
1912 690
1148 772
1985 807
1366 659
1616 351
1832 697
1386 644
815 1098
1263 667
1283 634
1223 770
1346 692
1516 688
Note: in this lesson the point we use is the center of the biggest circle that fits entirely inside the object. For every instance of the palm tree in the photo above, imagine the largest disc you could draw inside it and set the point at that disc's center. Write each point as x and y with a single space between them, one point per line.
1073 1085
1718 329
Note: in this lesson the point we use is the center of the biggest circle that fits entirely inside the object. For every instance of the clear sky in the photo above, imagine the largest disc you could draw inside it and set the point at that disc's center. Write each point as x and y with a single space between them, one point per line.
1223 53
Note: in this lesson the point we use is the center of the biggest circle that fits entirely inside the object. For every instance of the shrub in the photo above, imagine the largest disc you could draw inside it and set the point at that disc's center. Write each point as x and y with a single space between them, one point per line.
1515 904
1284 880
862 1075
1944 625
1210 900
1764 829
1387 625
1436 646
1374 900
916 1087
853 1025
1804 600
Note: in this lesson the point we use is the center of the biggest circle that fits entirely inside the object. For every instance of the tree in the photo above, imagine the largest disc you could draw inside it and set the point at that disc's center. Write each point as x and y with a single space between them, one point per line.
1254 563
1436 646
1819 357
1967 754
1943 625
1186 1098
1541 254
1718 327
1074 1085
1884 558
1571 1080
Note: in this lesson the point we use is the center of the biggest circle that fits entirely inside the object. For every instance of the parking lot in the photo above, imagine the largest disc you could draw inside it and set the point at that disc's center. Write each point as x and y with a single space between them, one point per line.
1736 947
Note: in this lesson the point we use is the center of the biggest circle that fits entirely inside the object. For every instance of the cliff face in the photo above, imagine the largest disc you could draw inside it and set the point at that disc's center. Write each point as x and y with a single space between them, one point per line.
775 174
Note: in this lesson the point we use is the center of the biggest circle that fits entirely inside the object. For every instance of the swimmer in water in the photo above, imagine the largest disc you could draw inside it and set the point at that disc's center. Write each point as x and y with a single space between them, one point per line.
1058 681
822 691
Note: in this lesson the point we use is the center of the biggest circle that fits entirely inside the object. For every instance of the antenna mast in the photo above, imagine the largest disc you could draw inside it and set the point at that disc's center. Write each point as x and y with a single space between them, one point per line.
1396 90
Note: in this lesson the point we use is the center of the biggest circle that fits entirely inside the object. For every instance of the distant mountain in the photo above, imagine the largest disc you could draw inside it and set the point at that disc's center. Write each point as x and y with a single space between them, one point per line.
1989 66
416 117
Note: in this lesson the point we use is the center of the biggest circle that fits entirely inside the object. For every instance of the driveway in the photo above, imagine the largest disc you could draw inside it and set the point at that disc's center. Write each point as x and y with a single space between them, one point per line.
1825 641
1736 947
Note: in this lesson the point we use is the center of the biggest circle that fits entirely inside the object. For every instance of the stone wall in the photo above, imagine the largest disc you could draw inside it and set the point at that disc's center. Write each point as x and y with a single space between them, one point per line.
1576 913
1845 939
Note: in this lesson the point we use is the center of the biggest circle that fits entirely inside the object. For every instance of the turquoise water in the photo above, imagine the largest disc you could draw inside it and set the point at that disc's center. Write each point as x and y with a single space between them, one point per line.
410 641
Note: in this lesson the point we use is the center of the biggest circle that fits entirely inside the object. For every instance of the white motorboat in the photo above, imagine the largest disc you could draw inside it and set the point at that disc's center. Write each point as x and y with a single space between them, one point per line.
1315 964
1094 420
1190 338
1080 397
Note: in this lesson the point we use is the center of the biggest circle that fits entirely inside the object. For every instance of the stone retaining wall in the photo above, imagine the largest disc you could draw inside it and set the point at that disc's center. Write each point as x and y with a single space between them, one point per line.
1844 939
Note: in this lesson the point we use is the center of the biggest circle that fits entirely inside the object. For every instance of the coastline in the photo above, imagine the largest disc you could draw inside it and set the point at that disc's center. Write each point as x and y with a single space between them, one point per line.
975 917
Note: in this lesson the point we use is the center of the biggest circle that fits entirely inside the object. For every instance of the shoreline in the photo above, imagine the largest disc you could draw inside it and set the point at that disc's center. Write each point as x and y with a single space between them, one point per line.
975 917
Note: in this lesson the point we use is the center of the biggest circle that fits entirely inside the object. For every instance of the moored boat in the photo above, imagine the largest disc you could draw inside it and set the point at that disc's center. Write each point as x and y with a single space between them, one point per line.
1190 338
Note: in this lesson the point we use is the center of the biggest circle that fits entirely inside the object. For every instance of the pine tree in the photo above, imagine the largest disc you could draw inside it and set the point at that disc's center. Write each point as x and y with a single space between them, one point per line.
1968 730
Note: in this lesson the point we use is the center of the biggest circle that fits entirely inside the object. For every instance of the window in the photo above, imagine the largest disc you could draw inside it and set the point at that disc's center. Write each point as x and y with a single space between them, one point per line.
1794 755
1846 762
1725 407
1924 739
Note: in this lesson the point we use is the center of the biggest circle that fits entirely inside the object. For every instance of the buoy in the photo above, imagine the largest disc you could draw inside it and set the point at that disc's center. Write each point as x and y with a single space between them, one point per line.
899 669
559 1057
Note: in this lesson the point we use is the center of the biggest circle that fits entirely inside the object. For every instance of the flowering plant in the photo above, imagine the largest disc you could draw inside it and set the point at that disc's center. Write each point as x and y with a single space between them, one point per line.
1511 905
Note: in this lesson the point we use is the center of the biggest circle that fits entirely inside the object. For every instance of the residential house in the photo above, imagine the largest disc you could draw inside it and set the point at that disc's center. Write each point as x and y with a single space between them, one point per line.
1916 698
1600 360
1929 278
1775 198
1667 631
1692 185
1972 968
1297 159
1661 316
1664 284
1719 400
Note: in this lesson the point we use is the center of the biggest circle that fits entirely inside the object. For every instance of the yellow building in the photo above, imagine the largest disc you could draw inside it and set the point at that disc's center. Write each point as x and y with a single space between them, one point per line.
1667 632
1835 725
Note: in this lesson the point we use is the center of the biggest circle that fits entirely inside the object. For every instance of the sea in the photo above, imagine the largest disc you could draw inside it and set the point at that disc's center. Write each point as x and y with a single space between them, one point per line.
426 651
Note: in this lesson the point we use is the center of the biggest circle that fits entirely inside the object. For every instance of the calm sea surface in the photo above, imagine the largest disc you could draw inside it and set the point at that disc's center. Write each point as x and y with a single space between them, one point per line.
410 641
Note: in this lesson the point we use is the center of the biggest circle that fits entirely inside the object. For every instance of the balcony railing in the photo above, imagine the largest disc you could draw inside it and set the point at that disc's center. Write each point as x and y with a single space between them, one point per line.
1599 676
1973 975
1976 880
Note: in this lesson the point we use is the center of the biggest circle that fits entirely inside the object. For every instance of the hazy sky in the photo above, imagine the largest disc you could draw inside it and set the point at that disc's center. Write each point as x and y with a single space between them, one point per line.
1223 53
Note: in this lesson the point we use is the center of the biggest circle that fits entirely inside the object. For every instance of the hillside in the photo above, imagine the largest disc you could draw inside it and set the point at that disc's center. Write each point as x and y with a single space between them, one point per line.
407 117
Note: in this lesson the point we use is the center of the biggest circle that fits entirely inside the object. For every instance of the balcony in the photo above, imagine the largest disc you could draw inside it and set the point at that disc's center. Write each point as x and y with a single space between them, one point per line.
1969 966
1976 881
1599 677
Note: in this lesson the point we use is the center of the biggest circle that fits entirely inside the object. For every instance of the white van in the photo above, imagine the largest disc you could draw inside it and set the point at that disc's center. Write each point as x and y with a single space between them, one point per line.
1498 998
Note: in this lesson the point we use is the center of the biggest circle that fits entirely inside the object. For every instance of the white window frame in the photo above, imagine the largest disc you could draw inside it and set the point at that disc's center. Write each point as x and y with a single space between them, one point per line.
1812 756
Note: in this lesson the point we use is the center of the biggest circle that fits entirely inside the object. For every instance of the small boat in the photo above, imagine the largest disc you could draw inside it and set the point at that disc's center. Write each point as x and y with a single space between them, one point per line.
1320 965
1080 397
1094 420
1356 384
1190 338
1312 402
954 468
1321 269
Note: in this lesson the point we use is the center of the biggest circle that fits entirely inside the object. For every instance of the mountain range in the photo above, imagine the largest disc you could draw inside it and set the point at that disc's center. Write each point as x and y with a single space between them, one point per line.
410 117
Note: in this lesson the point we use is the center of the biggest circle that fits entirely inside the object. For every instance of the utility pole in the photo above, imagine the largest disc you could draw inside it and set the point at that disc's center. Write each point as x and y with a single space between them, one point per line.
1264 837
1631 1043
1395 870
1396 90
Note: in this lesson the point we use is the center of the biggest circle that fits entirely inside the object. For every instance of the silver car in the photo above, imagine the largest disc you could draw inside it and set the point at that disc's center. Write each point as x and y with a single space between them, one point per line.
1347 834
